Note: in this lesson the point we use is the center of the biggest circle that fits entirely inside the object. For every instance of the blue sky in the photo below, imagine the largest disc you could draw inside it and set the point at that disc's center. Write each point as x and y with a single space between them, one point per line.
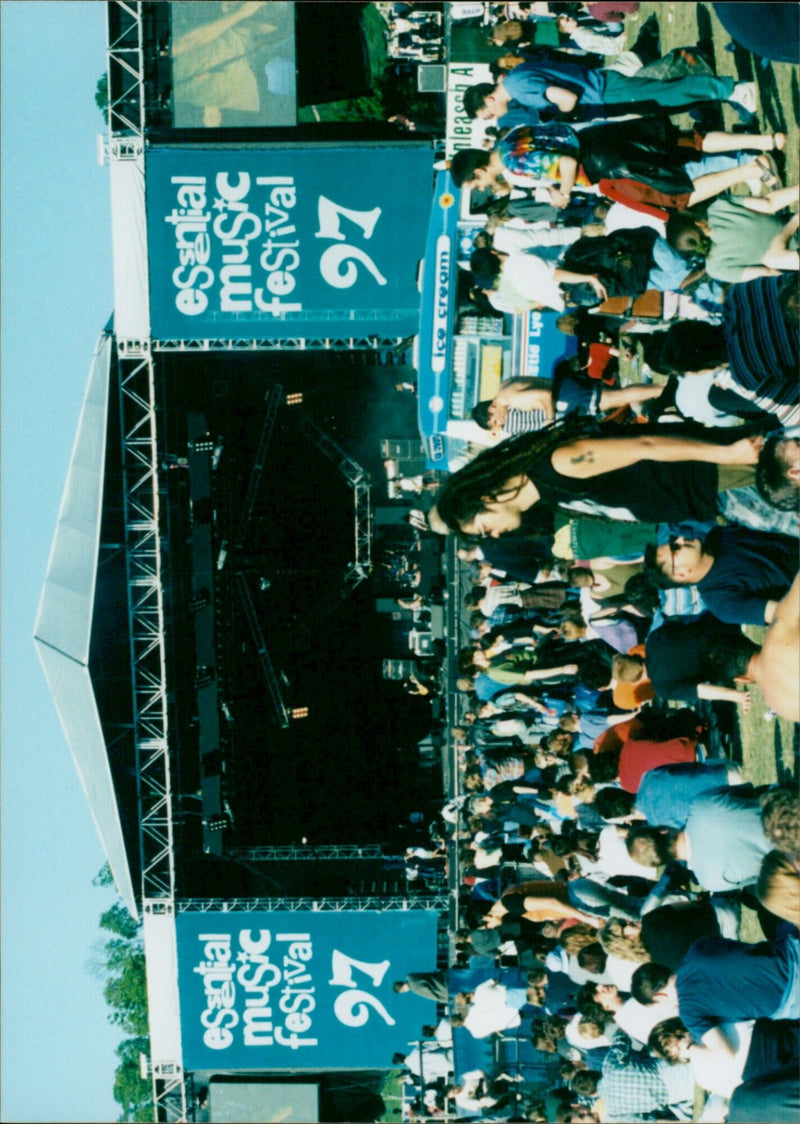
58 1047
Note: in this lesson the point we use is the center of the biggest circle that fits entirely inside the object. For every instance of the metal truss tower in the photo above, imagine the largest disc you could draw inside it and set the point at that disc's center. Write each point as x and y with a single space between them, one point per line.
273 401
267 670
148 664
359 480
323 851
314 905
126 90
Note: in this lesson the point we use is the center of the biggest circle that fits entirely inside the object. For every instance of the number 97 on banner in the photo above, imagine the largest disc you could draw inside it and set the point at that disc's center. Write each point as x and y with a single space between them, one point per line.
330 215
352 1006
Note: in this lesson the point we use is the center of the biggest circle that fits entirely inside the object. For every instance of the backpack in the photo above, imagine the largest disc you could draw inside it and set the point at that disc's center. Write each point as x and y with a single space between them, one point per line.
621 260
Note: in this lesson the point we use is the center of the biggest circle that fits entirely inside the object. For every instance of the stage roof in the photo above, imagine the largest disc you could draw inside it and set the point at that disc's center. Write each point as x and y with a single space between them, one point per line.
64 621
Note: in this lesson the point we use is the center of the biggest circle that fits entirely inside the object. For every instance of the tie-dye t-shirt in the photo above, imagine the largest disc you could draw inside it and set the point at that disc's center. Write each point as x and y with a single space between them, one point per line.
535 151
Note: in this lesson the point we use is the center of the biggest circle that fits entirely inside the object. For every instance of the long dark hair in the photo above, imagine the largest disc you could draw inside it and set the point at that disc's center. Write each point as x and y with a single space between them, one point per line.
464 494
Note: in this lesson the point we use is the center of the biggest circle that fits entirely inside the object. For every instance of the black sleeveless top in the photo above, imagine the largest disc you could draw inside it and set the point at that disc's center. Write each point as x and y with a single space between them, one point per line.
646 492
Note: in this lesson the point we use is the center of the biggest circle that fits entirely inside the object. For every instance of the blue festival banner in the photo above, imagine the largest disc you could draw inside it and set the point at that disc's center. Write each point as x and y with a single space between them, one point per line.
278 242
301 990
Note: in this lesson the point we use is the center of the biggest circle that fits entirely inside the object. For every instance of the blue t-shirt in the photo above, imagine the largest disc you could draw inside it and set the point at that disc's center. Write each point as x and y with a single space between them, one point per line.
726 839
666 794
724 981
486 688
526 85
669 269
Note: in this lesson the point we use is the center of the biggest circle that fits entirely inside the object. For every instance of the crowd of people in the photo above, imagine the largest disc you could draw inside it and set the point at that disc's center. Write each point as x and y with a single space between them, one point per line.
616 540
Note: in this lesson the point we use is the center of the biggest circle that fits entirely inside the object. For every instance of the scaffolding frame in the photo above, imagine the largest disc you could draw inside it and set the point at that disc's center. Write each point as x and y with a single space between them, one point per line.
321 343
267 670
125 71
439 902
359 480
141 507
273 401
141 502
293 853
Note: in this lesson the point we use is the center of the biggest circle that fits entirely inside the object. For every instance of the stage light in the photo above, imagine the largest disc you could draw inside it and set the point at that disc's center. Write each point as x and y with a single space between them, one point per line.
299 712
294 399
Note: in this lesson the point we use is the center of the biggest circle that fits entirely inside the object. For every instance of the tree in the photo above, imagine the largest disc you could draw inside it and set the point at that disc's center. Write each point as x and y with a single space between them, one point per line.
104 877
118 920
126 994
120 961
131 1091
101 97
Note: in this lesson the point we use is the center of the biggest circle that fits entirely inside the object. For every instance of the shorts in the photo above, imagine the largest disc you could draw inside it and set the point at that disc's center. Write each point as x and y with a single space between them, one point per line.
575 395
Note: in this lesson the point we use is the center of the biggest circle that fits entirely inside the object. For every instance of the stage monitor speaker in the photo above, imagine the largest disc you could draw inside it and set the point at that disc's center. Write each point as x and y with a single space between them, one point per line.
420 643
411 466
432 79
398 669
394 448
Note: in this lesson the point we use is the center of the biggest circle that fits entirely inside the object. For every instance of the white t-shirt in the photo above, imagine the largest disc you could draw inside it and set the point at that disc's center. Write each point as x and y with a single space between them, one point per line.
575 1038
718 1075
637 1020
525 281
489 1013
613 857
518 236
507 593
691 398
430 1062
620 971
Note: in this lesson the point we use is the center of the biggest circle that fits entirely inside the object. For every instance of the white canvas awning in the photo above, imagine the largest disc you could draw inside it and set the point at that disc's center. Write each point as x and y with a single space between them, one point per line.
129 246
163 1002
63 626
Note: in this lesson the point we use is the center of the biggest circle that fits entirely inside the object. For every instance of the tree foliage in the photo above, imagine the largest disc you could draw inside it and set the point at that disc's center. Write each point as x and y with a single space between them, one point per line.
122 966
101 95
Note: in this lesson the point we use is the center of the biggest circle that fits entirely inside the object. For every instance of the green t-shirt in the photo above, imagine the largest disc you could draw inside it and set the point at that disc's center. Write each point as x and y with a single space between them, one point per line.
740 238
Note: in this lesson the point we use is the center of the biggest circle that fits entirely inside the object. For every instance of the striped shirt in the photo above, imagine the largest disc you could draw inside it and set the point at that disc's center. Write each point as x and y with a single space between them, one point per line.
763 351
523 421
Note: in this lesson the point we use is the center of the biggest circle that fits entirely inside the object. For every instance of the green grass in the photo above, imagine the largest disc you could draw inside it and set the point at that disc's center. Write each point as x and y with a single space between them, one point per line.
767 745
392 1098
681 25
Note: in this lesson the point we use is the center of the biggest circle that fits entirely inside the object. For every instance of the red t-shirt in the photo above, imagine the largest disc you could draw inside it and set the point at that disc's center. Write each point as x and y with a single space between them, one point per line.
638 757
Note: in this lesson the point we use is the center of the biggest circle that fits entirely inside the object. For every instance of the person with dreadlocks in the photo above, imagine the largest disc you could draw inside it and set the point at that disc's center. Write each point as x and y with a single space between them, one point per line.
611 473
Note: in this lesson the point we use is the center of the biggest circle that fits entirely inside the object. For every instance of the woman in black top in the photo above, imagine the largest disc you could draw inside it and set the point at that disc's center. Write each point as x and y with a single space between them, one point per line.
613 473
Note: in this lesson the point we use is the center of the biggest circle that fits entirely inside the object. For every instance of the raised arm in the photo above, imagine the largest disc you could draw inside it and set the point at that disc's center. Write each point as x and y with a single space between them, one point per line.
778 255
565 277
550 672
526 394
557 911
718 1044
714 693
568 169
595 455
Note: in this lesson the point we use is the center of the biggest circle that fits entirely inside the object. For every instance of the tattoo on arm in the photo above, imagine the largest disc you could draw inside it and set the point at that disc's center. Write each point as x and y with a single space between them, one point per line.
587 457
